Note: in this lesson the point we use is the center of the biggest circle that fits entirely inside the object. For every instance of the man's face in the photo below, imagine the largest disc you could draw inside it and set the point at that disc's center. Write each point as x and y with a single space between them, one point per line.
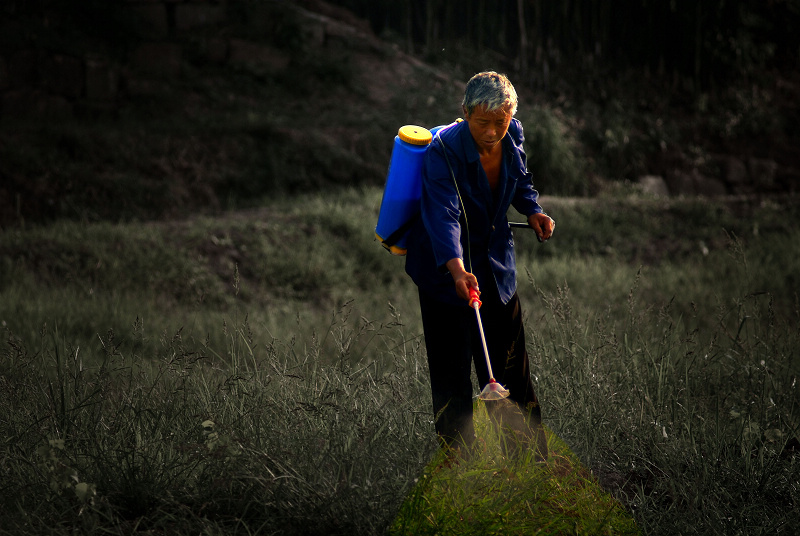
488 128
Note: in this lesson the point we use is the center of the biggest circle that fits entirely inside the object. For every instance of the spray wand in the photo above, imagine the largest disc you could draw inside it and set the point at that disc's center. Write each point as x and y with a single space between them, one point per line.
493 390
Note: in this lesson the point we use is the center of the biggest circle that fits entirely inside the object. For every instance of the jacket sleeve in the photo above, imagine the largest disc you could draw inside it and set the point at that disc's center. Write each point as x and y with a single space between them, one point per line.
440 207
526 198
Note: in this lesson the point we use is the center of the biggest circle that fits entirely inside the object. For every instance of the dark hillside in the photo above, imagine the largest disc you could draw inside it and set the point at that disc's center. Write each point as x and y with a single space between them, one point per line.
134 109
196 106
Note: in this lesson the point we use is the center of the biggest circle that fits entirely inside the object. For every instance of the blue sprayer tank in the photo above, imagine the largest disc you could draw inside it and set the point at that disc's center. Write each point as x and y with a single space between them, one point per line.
403 189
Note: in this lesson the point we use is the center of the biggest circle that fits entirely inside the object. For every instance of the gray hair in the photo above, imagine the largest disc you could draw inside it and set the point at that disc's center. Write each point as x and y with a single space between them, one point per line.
492 90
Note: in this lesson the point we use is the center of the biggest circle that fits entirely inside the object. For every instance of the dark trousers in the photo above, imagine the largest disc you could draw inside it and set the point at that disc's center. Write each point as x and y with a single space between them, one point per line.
452 340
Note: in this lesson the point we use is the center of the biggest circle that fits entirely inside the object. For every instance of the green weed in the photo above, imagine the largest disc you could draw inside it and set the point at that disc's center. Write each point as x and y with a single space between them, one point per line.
492 494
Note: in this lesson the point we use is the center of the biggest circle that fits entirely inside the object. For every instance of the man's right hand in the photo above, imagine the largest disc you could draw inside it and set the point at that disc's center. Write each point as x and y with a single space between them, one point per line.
463 279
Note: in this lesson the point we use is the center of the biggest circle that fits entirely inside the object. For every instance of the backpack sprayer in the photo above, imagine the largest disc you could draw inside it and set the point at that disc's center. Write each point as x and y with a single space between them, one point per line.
403 190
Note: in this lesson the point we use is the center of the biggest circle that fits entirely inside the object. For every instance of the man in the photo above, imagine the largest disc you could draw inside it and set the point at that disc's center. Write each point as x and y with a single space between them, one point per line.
473 171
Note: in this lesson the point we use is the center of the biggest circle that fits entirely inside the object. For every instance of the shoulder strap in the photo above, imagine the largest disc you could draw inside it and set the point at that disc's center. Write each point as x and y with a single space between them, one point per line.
464 227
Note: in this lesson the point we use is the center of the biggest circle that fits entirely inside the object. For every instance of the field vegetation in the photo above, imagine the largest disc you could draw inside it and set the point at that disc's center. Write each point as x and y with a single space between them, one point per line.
263 371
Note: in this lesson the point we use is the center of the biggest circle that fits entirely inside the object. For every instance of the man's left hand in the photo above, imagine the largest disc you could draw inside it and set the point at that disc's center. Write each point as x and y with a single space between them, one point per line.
542 224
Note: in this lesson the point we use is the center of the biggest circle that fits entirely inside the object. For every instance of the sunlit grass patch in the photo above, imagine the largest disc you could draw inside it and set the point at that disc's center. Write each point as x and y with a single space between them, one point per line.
489 493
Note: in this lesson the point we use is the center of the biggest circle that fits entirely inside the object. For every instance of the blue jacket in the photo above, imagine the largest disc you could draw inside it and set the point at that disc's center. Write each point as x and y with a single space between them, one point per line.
436 237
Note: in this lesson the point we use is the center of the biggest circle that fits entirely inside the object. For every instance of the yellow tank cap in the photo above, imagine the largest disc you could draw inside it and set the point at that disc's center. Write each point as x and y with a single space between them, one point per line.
415 135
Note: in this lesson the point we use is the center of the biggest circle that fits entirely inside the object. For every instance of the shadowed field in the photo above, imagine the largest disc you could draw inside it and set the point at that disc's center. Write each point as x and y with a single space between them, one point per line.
264 372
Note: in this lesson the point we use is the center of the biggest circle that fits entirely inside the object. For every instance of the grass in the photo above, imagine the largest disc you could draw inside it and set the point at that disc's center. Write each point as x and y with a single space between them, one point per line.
263 372
236 439
693 423
493 494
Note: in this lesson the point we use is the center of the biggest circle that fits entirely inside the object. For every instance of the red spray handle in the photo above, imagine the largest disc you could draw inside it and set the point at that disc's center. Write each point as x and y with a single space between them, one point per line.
473 298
